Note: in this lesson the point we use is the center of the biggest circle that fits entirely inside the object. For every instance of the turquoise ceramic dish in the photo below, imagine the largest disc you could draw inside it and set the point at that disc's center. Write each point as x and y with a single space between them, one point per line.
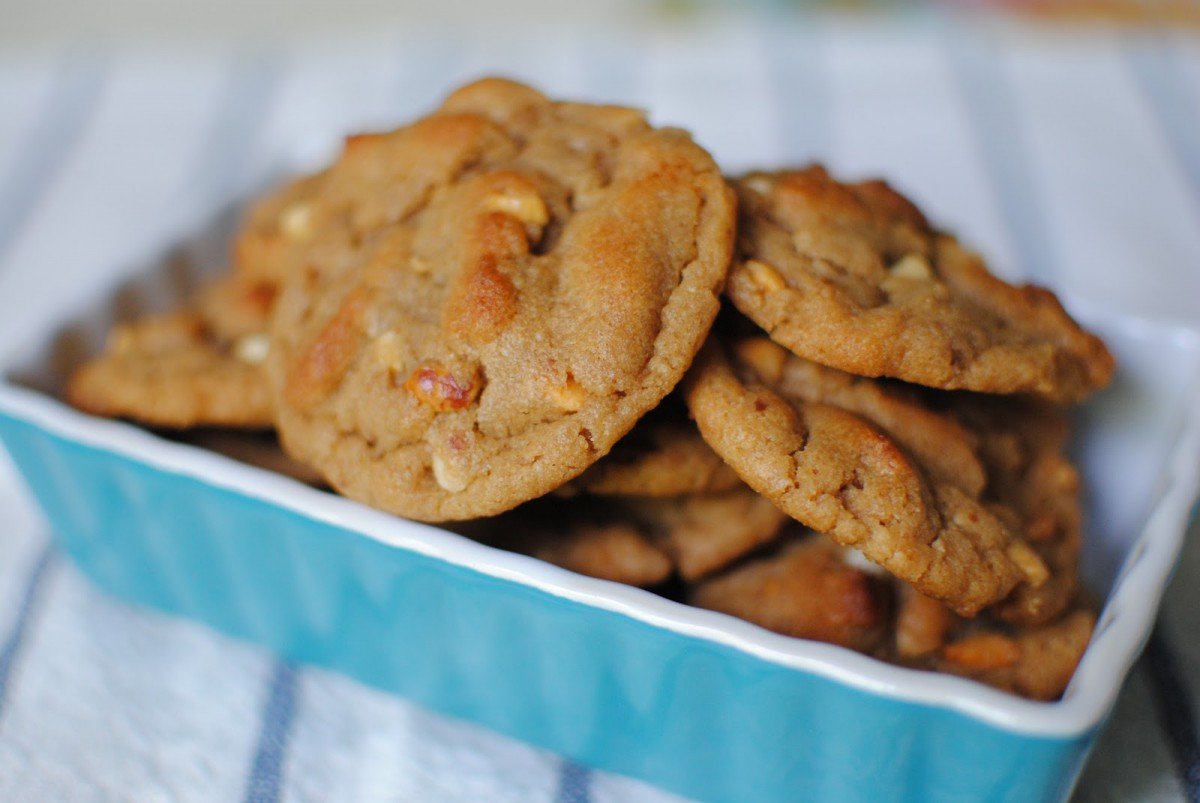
692 701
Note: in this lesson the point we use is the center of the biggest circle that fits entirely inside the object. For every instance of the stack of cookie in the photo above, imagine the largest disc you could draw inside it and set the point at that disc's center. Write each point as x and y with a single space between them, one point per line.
509 314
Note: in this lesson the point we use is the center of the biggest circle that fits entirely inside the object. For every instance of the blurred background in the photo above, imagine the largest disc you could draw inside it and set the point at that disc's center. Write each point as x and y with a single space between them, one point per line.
1062 139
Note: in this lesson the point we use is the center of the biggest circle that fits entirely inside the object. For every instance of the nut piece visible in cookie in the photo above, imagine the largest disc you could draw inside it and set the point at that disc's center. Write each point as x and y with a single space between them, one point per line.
853 276
552 268
832 471
175 371
662 456
807 591
277 230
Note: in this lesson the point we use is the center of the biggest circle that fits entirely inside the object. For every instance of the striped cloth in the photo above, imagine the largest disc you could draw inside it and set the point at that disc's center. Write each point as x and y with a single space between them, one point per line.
1072 160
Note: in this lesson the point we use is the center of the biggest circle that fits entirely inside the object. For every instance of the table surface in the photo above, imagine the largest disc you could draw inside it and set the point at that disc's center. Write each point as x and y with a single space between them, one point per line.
1071 158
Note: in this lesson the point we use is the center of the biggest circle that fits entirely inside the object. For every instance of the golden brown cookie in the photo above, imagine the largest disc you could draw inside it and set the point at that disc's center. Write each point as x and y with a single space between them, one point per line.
277 230
807 590
1006 452
1030 478
662 456
512 283
582 534
615 551
706 532
834 472
181 370
1036 661
853 276
943 447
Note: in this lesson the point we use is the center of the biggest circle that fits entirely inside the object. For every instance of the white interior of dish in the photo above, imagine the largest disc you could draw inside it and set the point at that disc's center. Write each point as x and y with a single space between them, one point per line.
1138 444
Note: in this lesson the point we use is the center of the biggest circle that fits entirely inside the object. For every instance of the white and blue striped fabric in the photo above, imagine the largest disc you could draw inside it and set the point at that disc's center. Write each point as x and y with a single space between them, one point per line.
1071 159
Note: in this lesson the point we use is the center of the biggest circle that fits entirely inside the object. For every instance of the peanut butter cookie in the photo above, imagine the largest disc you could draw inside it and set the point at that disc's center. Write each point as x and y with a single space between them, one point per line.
507 286
854 277
194 367
704 533
806 590
833 471
1006 452
1036 661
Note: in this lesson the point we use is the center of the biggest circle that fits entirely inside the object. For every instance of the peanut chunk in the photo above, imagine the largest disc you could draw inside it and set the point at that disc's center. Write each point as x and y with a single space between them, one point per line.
434 386
296 222
526 207
1031 564
448 477
252 349
765 276
760 184
912 266
390 350
570 396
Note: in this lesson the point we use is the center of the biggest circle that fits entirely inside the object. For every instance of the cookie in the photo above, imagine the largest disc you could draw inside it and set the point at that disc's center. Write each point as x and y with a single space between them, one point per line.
617 552
834 472
662 456
583 534
512 283
854 277
176 371
1008 453
278 229
234 307
938 443
807 590
1030 478
1036 661
706 532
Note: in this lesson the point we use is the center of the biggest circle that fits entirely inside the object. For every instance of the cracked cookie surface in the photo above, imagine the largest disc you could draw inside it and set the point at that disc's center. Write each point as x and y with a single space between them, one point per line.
843 477
494 296
854 277
1007 453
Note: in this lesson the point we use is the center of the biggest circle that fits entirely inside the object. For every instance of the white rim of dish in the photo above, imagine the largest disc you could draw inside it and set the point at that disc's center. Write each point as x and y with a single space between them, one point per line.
1120 634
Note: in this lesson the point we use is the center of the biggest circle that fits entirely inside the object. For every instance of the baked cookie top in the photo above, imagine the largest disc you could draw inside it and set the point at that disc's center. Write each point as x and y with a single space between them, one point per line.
200 366
1008 453
493 296
842 476
854 277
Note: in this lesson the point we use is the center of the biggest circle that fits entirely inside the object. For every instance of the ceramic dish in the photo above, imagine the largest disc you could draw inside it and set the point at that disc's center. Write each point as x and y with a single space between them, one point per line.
690 700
